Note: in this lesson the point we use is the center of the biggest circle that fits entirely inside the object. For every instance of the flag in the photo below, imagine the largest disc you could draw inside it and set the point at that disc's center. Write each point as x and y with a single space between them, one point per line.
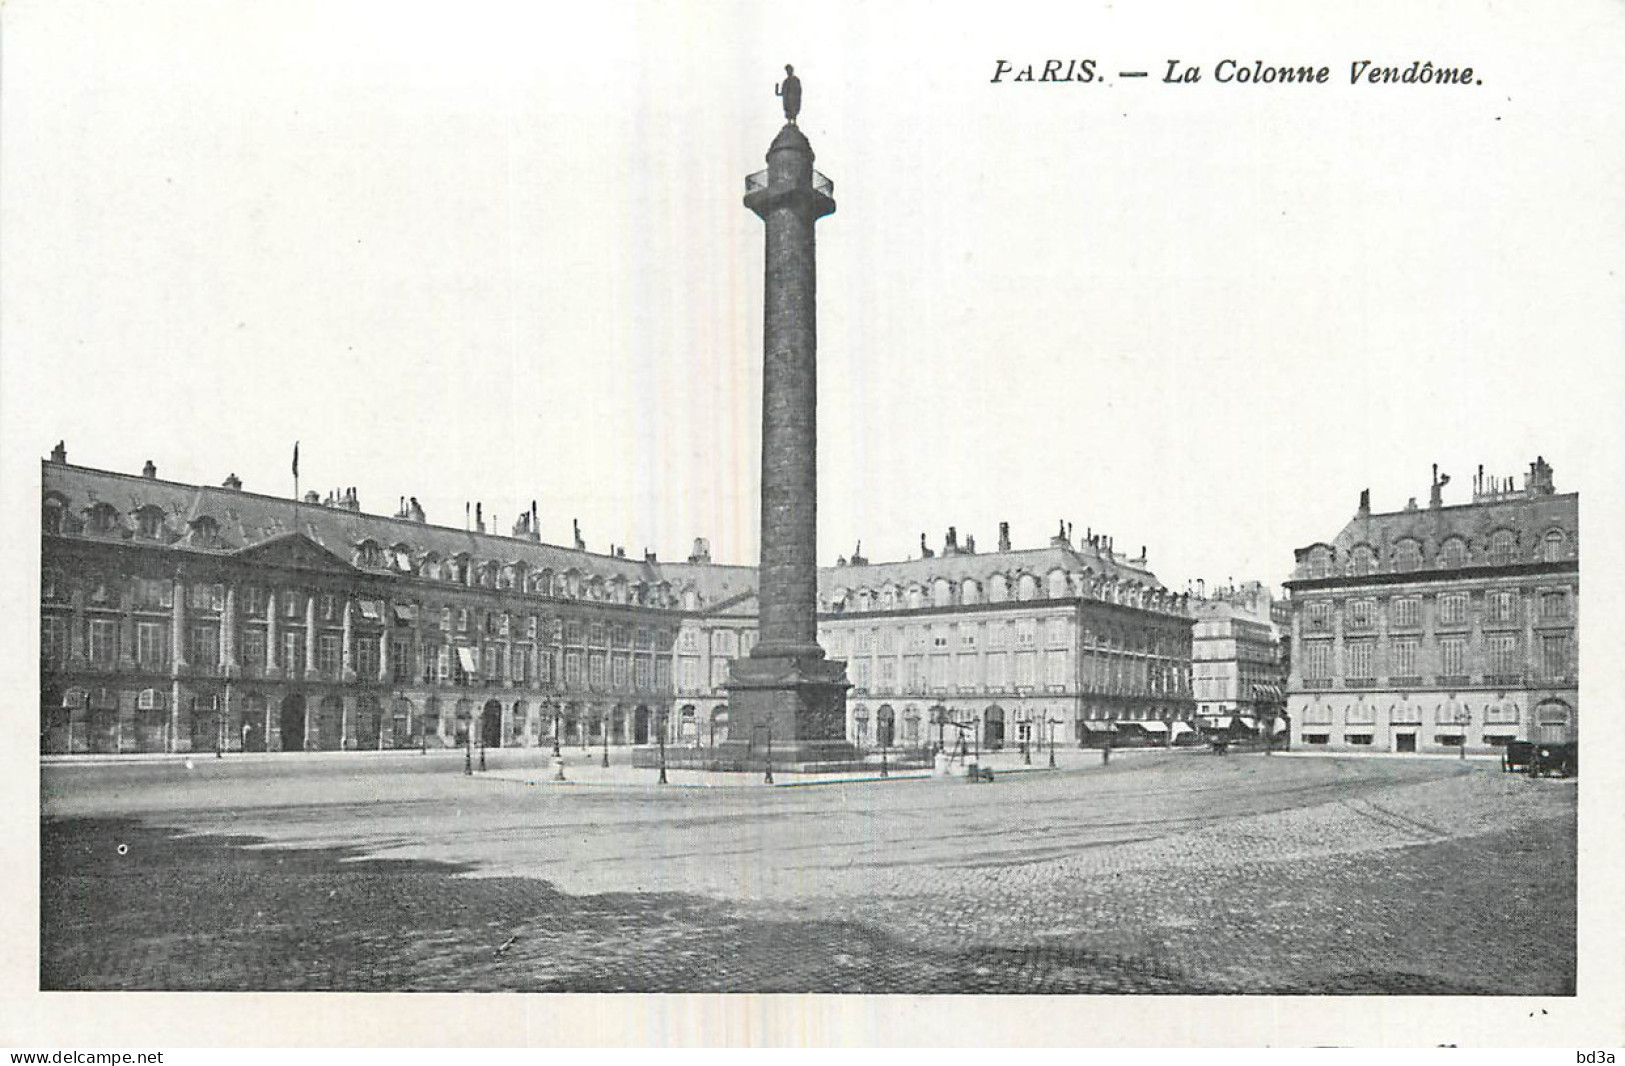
295 458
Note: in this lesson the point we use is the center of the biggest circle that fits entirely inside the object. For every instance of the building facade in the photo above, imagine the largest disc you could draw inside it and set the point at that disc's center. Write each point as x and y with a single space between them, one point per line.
1449 628
1237 671
178 618
1067 643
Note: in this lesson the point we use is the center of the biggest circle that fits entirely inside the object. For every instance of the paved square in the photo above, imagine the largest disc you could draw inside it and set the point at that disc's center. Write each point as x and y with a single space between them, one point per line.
1162 872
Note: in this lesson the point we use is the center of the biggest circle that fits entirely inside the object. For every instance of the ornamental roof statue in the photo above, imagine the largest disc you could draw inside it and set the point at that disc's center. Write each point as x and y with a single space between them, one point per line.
790 90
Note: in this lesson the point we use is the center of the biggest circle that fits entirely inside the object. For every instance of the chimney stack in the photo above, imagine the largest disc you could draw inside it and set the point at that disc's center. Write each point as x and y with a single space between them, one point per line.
59 454
150 472
1004 536
233 482
701 552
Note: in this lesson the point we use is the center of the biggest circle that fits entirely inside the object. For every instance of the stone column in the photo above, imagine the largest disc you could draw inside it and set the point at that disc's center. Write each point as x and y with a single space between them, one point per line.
310 639
347 655
78 634
228 633
126 651
386 649
273 637
177 630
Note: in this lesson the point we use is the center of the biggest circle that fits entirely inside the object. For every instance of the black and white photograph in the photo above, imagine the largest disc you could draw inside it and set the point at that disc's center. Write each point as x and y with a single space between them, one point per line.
818 523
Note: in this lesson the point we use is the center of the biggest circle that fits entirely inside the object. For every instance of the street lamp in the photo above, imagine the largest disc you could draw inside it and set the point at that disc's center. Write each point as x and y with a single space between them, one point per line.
767 778
1052 723
605 763
1026 745
662 727
558 755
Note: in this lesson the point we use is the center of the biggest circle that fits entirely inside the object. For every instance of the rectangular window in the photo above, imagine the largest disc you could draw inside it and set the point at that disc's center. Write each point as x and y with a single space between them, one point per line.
53 638
1358 659
997 678
1362 614
328 653
689 640
1402 658
401 668
293 603
152 644
203 646
544 666
329 606
866 641
1502 606
1554 605
253 600
293 652
860 675
939 671
914 675
719 671
967 636
595 668
967 671
519 664
1317 615
596 632
1357 739
491 663
1026 632
366 658
642 671
572 668
1057 668
662 673
1026 668
916 638
1503 655
533 627
462 619
253 656
1452 656
1453 609
1407 613
1055 630
572 632
888 675
1315 738
939 639
1317 659
1555 653
998 635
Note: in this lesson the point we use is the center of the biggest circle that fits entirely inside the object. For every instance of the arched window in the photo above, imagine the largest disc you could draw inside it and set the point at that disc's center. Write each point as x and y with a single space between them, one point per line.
1503 547
51 518
1551 549
970 592
1453 554
205 532
998 589
1057 584
149 522
1027 588
942 593
1407 555
1320 562
1362 560
103 518
368 553
913 597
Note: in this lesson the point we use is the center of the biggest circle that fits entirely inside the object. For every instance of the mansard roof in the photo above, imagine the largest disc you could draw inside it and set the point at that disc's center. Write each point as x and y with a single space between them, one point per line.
981 566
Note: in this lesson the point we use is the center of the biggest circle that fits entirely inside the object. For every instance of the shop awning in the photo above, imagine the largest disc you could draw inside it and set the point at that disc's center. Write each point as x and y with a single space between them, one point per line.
406 613
470 664
1278 726
1177 728
1153 727
1248 723
1097 727
1218 723
1359 730
1267 692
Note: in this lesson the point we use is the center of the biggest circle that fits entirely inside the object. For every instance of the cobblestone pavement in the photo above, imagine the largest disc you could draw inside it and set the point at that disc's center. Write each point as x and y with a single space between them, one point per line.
1160 873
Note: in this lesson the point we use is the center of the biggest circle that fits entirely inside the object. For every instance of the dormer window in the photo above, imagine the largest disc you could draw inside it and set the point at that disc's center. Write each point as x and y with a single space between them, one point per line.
1453 554
205 532
103 518
51 518
1407 556
1551 549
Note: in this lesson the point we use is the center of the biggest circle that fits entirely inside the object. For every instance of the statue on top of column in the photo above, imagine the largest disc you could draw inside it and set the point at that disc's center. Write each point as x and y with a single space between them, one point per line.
790 91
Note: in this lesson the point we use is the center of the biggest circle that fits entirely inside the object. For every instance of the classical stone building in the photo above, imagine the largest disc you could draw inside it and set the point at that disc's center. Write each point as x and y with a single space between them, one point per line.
1438 628
994 648
177 617
1237 672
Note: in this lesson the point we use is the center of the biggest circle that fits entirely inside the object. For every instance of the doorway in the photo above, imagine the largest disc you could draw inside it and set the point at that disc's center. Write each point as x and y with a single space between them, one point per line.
491 725
292 723
1405 742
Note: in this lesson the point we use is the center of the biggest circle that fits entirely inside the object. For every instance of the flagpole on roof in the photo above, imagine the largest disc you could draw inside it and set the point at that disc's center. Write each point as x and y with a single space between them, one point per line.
296 486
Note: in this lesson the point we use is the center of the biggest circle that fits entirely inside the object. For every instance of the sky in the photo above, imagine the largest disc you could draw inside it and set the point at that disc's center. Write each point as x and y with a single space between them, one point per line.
489 253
